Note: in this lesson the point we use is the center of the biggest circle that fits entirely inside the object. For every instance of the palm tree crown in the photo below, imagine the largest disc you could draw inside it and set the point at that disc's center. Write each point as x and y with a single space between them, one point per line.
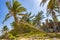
14 9
38 18
28 17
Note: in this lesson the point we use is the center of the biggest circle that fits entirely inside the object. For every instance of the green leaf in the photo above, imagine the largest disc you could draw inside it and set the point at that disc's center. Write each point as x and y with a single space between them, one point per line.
21 9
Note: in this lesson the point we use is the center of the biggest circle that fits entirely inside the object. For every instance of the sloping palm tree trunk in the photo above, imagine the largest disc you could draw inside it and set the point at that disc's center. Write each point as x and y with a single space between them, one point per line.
25 23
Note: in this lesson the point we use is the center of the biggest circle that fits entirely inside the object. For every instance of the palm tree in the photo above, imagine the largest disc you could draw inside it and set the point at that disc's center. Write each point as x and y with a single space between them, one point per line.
52 8
5 29
5 32
14 9
27 17
38 18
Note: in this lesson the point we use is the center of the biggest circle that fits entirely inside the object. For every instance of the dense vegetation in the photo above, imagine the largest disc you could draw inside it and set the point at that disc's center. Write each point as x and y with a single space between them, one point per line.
27 24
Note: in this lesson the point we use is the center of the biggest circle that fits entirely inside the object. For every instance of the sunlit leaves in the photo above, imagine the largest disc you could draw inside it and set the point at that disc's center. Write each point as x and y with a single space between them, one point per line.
16 5
20 9
51 5
11 36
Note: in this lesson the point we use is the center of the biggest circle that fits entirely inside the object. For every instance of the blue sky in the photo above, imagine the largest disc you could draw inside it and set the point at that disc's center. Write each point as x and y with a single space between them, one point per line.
31 6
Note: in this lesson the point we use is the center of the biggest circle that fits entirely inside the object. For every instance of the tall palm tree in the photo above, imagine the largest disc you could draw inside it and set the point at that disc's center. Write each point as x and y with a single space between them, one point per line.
38 18
52 8
14 9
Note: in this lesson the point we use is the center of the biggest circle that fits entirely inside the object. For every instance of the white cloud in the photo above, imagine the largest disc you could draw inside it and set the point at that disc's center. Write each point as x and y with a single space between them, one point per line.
37 2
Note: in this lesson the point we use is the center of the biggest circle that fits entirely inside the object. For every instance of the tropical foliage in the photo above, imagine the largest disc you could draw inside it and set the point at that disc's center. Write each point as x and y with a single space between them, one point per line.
38 18
28 17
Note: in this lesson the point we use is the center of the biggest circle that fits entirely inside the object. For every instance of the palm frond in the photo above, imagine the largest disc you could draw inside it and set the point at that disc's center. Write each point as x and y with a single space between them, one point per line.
6 17
29 14
58 11
43 2
16 5
38 18
50 5
8 5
